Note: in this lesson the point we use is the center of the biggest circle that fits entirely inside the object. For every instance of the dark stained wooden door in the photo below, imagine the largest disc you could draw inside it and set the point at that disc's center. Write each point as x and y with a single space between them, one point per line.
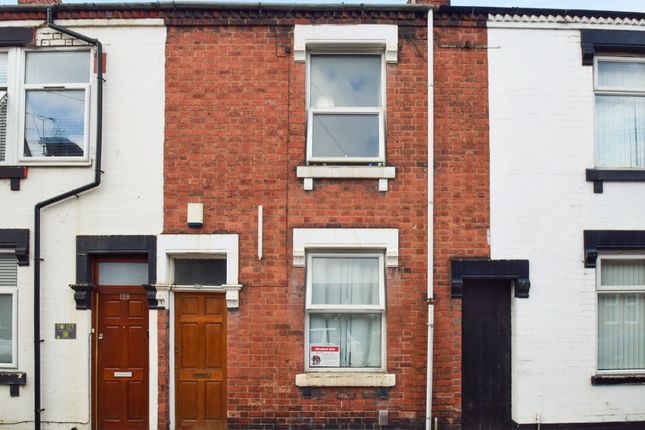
122 358
486 355
200 361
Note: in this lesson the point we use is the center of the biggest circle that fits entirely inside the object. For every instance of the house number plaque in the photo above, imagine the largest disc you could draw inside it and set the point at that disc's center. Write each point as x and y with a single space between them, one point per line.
65 330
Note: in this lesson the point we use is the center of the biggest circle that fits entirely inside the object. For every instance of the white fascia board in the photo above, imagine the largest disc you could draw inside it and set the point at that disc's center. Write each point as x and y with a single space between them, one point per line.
346 238
120 22
98 22
346 36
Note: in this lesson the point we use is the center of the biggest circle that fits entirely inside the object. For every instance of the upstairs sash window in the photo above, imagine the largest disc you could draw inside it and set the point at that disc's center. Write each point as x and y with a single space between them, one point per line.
620 113
345 108
56 92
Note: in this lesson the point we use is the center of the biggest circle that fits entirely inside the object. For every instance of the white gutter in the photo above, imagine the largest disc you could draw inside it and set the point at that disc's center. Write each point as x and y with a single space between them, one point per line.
430 224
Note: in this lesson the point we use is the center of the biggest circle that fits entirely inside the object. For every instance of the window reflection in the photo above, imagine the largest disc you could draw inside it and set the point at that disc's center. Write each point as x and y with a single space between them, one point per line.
54 123
345 81
346 135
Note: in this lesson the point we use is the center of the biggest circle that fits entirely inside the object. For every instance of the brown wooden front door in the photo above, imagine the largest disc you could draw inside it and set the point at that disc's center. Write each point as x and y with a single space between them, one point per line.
121 348
200 361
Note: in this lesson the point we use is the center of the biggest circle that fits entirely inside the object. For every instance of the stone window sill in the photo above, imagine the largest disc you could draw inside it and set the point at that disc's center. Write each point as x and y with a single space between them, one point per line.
618 379
598 176
14 379
345 379
14 174
309 173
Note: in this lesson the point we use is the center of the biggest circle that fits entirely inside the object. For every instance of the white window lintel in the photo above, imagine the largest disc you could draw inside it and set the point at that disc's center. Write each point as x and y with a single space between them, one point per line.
199 245
346 238
358 36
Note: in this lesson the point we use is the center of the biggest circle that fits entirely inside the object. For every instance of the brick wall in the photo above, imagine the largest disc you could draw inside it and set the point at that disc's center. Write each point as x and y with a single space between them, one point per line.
461 189
235 133
162 345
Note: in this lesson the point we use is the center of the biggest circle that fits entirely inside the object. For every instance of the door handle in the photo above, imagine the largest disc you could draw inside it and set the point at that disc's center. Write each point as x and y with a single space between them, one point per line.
100 336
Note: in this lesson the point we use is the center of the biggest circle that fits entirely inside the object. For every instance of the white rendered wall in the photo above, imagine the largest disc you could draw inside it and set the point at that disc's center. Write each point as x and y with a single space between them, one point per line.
128 202
541 142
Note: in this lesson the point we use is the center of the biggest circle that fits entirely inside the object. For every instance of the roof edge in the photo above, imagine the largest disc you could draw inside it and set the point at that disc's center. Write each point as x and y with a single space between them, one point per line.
518 11
193 5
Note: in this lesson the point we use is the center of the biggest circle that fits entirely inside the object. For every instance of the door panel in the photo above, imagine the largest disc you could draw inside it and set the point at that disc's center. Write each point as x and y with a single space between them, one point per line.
111 395
135 410
122 358
200 361
188 400
213 332
486 355
213 403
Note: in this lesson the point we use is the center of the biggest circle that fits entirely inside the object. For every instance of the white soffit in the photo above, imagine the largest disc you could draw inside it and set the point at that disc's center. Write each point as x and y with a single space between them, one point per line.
357 36
346 238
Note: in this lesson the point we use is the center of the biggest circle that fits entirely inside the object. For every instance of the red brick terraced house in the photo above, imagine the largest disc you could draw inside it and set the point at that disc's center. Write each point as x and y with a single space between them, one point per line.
293 260
249 246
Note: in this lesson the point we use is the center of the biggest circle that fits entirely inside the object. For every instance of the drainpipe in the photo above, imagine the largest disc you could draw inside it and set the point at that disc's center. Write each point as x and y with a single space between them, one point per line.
75 192
430 228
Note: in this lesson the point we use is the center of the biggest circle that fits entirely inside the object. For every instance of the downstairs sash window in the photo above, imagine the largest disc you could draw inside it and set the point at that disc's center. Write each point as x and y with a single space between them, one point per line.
345 311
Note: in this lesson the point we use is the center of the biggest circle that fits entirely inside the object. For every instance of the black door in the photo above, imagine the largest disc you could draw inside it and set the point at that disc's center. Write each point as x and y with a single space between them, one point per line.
486 355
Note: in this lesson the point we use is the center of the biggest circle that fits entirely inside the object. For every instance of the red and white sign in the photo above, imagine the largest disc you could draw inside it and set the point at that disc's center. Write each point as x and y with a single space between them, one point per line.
324 356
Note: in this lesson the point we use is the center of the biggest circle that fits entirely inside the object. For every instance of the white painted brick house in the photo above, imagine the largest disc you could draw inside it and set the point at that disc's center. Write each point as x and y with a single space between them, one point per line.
568 195
48 146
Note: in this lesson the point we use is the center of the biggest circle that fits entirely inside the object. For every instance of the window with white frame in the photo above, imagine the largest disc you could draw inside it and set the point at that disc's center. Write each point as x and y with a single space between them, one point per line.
345 307
621 313
8 310
44 105
619 85
346 99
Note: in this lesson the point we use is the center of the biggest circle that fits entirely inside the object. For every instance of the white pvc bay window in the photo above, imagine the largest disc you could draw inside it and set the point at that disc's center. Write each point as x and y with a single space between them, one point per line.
346 107
345 322
8 310
619 85
44 105
621 314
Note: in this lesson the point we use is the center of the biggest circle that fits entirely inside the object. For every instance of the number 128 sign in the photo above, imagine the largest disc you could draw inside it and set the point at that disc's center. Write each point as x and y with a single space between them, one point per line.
324 356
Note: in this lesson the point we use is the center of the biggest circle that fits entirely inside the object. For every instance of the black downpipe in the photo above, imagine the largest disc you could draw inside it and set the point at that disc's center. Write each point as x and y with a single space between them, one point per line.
75 192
